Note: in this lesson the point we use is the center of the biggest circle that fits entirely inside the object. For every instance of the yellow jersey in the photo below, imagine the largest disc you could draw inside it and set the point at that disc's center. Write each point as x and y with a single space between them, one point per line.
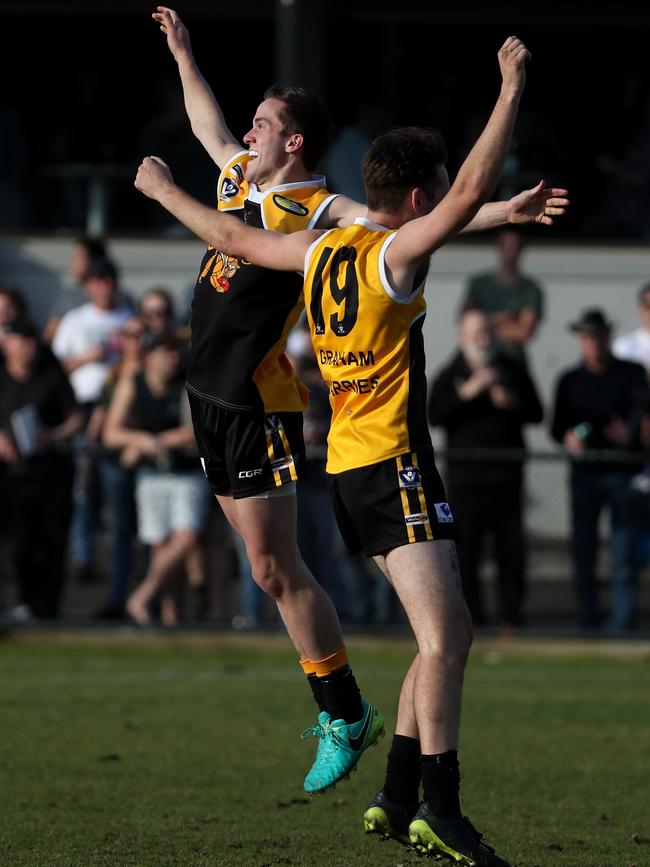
369 347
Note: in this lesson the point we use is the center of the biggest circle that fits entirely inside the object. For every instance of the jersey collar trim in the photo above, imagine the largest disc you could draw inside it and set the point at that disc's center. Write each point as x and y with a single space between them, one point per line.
376 227
256 195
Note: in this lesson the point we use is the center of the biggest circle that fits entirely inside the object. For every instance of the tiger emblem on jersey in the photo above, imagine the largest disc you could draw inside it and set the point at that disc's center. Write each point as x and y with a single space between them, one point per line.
221 269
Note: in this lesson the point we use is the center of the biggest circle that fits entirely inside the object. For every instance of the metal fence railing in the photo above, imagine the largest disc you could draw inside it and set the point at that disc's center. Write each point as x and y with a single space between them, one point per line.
223 599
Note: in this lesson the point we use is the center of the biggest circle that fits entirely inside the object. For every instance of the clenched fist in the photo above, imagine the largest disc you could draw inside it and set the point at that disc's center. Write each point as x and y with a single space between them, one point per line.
513 57
152 177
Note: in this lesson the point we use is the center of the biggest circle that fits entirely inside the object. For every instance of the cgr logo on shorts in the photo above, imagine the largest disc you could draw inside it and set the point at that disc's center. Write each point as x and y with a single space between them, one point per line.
409 477
248 474
444 513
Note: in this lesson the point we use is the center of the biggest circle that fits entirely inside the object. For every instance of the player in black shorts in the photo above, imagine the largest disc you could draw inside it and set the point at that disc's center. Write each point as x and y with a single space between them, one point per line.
245 398
364 289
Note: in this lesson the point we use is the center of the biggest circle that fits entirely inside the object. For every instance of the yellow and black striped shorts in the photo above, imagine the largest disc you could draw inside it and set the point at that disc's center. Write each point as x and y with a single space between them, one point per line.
247 454
392 503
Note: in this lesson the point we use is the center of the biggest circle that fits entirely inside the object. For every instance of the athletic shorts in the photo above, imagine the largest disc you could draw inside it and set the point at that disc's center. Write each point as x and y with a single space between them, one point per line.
247 454
393 503
169 502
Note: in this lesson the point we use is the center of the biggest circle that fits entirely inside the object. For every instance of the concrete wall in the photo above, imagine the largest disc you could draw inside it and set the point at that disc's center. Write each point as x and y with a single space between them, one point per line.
574 277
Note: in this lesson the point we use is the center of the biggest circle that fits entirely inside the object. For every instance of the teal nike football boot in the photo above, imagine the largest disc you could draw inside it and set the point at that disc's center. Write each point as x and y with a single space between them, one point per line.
340 746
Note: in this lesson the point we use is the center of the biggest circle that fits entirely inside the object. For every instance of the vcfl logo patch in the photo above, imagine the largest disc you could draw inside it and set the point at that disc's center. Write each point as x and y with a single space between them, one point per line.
229 190
248 474
409 477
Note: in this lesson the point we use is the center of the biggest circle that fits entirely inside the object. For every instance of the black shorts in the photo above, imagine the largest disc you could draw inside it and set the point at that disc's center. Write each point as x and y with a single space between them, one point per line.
247 453
392 503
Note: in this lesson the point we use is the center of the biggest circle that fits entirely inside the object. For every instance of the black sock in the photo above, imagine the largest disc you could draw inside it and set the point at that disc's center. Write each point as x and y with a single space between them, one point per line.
402 784
317 690
441 783
341 695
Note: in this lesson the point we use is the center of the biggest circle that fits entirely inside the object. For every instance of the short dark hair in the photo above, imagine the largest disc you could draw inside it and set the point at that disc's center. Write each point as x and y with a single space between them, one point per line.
162 293
24 327
17 299
399 161
643 291
101 268
306 113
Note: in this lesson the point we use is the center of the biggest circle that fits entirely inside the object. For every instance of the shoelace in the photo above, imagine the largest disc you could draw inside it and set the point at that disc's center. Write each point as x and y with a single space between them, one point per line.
330 740
479 837
317 731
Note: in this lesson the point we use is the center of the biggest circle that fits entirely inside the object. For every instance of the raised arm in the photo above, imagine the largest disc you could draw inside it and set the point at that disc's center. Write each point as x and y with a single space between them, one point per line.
203 110
538 205
475 182
225 233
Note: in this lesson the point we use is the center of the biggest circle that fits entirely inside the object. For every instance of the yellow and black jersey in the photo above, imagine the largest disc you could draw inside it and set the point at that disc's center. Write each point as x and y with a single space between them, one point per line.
369 347
242 314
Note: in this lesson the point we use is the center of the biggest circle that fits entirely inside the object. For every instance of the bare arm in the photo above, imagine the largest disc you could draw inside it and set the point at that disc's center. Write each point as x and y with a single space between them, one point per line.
206 117
475 182
182 436
96 353
64 431
117 434
538 205
516 329
225 233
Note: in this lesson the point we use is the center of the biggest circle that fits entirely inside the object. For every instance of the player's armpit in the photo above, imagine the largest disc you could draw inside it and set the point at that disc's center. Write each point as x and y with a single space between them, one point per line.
416 240
341 212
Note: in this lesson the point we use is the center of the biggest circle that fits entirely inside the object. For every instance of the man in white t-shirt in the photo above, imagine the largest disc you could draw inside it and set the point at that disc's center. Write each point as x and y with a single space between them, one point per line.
87 343
635 346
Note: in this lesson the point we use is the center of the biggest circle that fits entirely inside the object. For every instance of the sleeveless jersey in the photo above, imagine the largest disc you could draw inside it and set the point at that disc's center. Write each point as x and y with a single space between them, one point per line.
369 347
156 414
242 314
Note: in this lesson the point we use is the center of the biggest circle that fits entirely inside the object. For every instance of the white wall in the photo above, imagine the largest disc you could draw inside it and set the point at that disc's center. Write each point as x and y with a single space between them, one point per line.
573 277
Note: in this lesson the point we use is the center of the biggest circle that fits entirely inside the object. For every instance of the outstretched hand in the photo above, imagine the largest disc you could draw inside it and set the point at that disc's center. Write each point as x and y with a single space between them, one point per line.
178 37
538 205
153 175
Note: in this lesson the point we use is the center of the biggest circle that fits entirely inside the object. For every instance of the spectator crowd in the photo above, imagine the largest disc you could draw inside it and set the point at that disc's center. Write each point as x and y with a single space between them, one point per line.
96 444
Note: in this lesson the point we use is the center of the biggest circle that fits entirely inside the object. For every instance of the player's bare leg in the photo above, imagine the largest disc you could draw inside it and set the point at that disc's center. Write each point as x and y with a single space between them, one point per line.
392 809
268 529
347 724
426 578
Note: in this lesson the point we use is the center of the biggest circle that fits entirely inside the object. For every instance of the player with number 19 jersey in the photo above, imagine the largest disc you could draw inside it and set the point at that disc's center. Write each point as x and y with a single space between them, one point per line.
370 350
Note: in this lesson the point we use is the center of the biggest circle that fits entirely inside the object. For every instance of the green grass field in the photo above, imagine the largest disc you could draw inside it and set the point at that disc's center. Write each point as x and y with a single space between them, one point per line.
184 750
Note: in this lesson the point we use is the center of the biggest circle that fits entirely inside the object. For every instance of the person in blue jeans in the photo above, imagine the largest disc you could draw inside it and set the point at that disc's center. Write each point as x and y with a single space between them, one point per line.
117 482
597 408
